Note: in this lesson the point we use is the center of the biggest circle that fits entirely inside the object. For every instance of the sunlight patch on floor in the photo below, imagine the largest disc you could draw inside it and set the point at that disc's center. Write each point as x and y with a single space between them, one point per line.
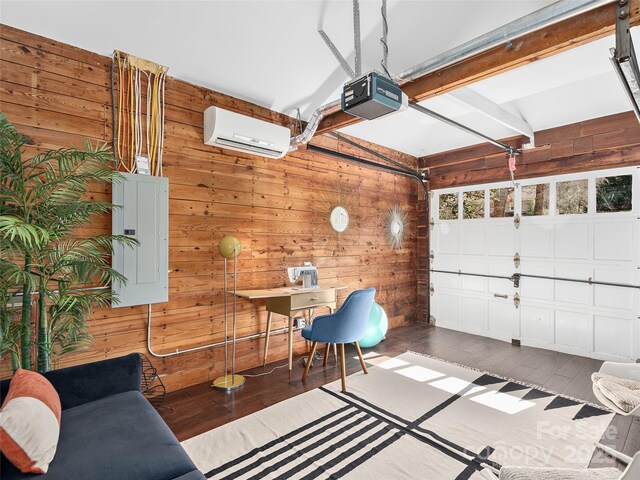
368 356
503 402
389 363
456 385
420 374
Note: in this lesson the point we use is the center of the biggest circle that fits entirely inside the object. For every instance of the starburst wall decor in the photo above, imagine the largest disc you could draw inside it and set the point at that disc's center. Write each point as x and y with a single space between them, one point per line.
395 227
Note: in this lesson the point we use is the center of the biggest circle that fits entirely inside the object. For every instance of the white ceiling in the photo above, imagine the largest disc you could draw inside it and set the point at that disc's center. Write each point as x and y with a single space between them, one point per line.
575 85
269 52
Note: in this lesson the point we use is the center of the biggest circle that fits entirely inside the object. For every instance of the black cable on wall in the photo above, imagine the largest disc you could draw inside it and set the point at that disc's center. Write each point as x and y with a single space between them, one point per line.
404 171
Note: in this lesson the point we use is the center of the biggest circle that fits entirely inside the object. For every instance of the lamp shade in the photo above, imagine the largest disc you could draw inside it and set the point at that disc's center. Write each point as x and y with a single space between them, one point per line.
226 246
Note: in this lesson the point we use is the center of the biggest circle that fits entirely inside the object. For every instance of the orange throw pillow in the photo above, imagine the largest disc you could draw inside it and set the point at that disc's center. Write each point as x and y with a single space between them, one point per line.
30 422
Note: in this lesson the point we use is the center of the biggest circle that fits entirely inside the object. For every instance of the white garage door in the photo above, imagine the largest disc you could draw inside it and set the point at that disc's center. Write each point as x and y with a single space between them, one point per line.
572 241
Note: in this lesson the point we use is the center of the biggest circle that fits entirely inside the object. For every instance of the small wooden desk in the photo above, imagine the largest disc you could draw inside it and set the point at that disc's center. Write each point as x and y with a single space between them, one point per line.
288 301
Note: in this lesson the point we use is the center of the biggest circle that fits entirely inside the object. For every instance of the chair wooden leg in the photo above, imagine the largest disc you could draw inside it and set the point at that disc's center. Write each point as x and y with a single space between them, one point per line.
364 367
308 365
335 352
326 355
343 368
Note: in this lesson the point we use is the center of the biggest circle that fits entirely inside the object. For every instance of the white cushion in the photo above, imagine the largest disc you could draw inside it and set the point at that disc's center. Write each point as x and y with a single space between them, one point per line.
623 392
528 473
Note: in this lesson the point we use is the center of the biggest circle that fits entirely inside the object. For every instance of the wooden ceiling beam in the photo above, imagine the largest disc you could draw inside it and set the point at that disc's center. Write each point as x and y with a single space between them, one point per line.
543 43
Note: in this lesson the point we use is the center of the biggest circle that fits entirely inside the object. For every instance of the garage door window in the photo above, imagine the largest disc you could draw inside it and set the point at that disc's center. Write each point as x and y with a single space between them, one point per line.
613 194
448 206
501 202
473 204
572 197
535 199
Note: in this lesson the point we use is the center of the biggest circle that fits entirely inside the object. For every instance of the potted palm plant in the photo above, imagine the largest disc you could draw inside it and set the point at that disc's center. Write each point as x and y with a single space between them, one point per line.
45 200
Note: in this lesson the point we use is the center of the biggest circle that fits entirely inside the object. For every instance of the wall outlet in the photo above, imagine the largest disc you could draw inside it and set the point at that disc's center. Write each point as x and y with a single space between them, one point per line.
299 322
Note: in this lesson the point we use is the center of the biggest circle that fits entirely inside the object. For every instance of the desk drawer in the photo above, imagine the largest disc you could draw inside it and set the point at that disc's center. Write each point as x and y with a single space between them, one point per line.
306 300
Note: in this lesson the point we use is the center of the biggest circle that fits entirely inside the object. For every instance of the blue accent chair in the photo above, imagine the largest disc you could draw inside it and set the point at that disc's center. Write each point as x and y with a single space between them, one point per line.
347 325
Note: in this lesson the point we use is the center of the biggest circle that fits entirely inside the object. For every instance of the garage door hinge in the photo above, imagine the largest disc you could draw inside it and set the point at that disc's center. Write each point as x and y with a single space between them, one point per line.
516 220
431 255
432 223
516 300
516 260
515 278
431 289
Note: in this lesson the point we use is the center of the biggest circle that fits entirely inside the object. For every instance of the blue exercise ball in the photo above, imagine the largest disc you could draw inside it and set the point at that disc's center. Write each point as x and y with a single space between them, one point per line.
376 327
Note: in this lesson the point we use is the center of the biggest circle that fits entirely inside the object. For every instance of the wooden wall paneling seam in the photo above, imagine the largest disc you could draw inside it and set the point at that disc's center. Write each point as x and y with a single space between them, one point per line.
38 59
545 138
627 156
464 154
611 140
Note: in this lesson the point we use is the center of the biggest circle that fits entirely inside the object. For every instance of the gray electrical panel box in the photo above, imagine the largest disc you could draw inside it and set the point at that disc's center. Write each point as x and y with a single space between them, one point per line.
142 213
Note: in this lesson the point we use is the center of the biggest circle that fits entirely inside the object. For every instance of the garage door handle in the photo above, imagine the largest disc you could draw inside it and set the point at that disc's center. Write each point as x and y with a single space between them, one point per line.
500 295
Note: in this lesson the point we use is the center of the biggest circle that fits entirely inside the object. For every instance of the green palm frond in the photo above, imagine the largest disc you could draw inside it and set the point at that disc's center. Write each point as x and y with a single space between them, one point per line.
10 139
67 217
33 236
84 260
10 331
68 326
107 241
44 200
13 278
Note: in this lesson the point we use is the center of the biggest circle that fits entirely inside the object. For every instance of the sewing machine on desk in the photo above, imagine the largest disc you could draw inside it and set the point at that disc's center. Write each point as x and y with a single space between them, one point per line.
308 272
288 301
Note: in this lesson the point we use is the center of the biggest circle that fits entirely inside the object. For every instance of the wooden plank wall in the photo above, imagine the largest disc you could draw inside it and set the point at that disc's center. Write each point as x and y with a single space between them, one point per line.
607 142
600 143
59 95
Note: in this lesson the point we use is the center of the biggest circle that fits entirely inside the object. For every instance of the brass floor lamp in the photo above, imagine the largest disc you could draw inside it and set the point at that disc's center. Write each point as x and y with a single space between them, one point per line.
230 247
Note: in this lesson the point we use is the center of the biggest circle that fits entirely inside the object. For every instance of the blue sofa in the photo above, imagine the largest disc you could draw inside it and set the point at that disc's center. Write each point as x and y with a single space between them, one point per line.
108 429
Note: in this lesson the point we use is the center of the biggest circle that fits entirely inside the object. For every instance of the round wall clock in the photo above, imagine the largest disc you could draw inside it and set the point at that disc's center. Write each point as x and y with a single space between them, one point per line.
339 219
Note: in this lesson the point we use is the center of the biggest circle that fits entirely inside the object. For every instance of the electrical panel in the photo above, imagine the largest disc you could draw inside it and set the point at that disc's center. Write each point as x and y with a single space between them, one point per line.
141 212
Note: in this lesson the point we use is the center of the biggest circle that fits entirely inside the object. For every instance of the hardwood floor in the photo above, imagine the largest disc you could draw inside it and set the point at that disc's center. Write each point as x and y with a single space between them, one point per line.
197 409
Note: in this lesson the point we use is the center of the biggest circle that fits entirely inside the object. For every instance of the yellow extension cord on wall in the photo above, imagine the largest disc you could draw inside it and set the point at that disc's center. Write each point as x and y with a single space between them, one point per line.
129 128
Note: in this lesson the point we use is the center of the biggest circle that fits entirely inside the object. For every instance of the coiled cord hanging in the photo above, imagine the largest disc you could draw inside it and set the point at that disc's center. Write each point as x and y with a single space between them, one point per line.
383 39
356 38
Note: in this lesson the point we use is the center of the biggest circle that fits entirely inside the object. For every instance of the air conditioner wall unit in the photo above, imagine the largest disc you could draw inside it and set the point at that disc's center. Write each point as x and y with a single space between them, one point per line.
234 131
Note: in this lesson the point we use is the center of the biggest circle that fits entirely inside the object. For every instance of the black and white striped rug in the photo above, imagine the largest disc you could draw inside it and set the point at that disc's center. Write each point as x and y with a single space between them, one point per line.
412 417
